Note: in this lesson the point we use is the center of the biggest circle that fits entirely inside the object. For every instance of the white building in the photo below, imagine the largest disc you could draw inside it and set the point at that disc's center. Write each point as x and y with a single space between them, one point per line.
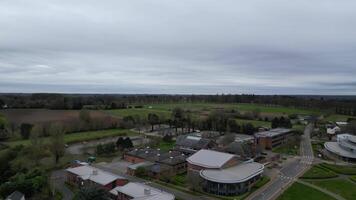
344 148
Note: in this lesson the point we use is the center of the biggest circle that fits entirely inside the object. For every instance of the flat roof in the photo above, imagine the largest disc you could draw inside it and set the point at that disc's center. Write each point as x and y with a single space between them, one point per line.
273 132
141 164
209 158
243 137
141 191
237 174
94 174
334 147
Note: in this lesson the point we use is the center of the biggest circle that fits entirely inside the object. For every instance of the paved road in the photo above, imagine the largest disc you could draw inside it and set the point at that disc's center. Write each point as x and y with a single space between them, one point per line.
179 194
289 173
57 179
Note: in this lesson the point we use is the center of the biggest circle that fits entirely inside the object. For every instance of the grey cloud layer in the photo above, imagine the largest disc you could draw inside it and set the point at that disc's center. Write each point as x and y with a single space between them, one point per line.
199 46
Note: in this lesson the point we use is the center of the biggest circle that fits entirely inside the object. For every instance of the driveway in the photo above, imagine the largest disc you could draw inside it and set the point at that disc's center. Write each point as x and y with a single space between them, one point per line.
57 181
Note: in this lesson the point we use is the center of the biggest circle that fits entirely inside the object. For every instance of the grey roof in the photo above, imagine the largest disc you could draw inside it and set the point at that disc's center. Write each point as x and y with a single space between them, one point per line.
94 174
156 155
237 174
239 148
192 142
243 137
273 132
335 148
141 164
210 159
140 191
15 196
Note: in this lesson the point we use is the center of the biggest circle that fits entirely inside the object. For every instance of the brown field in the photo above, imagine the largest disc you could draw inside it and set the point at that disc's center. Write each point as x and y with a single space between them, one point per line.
33 116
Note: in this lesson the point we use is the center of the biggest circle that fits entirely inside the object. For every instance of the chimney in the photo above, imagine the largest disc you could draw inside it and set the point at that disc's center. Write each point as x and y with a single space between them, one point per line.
147 191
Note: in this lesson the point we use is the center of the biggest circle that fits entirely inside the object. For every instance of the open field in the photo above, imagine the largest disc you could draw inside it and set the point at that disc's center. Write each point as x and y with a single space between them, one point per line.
343 187
142 112
317 172
299 191
82 136
337 118
19 116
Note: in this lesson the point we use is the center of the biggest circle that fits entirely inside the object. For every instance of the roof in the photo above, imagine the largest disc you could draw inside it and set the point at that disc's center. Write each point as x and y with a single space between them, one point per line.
94 174
15 196
237 174
243 137
157 155
192 142
140 191
273 132
240 148
335 148
210 159
141 164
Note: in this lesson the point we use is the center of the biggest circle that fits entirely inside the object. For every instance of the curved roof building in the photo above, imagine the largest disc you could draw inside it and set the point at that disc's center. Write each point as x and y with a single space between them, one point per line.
344 148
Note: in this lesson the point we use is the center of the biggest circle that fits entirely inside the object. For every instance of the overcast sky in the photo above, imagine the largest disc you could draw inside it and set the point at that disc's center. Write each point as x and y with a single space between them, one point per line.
178 46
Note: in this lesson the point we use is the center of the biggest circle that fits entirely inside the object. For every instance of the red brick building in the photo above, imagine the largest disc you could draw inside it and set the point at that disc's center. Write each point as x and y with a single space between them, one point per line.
91 176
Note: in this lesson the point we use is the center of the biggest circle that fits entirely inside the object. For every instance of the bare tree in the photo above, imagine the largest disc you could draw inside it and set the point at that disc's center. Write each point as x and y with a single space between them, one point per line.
57 141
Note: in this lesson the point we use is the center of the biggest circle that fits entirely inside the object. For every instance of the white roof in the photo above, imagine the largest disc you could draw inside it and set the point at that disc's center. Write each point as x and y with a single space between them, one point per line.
334 147
137 192
237 174
210 159
94 174
341 123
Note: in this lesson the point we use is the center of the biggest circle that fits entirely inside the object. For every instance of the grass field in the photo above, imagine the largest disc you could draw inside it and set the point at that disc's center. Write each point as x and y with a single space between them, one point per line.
299 191
82 136
348 170
317 172
337 118
142 112
344 188
166 146
239 107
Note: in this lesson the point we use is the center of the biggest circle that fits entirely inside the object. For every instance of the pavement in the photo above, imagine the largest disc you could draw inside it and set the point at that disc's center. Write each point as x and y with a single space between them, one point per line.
290 172
57 181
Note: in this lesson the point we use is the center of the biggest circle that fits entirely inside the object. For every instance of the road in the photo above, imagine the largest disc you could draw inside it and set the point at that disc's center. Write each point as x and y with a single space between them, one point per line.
289 173
177 193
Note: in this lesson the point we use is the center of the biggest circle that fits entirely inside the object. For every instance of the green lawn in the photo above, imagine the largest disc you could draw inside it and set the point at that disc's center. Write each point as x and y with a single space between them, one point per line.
142 112
166 146
299 191
348 170
180 179
337 118
353 178
344 188
82 136
317 172
239 106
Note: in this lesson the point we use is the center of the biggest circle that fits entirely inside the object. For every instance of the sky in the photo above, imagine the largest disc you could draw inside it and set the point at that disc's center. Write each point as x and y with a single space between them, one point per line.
178 46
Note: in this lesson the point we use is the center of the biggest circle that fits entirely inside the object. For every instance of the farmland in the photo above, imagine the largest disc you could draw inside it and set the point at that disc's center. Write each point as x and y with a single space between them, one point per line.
82 136
19 116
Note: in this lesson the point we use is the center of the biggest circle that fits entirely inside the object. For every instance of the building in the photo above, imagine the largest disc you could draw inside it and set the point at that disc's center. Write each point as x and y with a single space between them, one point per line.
344 148
16 196
91 176
273 138
332 130
191 143
223 173
156 162
139 191
243 145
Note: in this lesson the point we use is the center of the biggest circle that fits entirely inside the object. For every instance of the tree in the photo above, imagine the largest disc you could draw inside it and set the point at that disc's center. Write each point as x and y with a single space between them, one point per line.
85 116
91 193
167 138
248 129
140 172
153 119
127 143
227 139
57 145
25 130
120 143
177 117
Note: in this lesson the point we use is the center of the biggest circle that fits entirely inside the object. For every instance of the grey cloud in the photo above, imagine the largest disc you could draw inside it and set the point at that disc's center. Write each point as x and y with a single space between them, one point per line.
199 46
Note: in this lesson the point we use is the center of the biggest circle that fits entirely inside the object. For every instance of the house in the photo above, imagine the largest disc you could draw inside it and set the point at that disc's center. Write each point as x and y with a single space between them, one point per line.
139 191
190 143
90 176
222 173
332 129
273 138
16 196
